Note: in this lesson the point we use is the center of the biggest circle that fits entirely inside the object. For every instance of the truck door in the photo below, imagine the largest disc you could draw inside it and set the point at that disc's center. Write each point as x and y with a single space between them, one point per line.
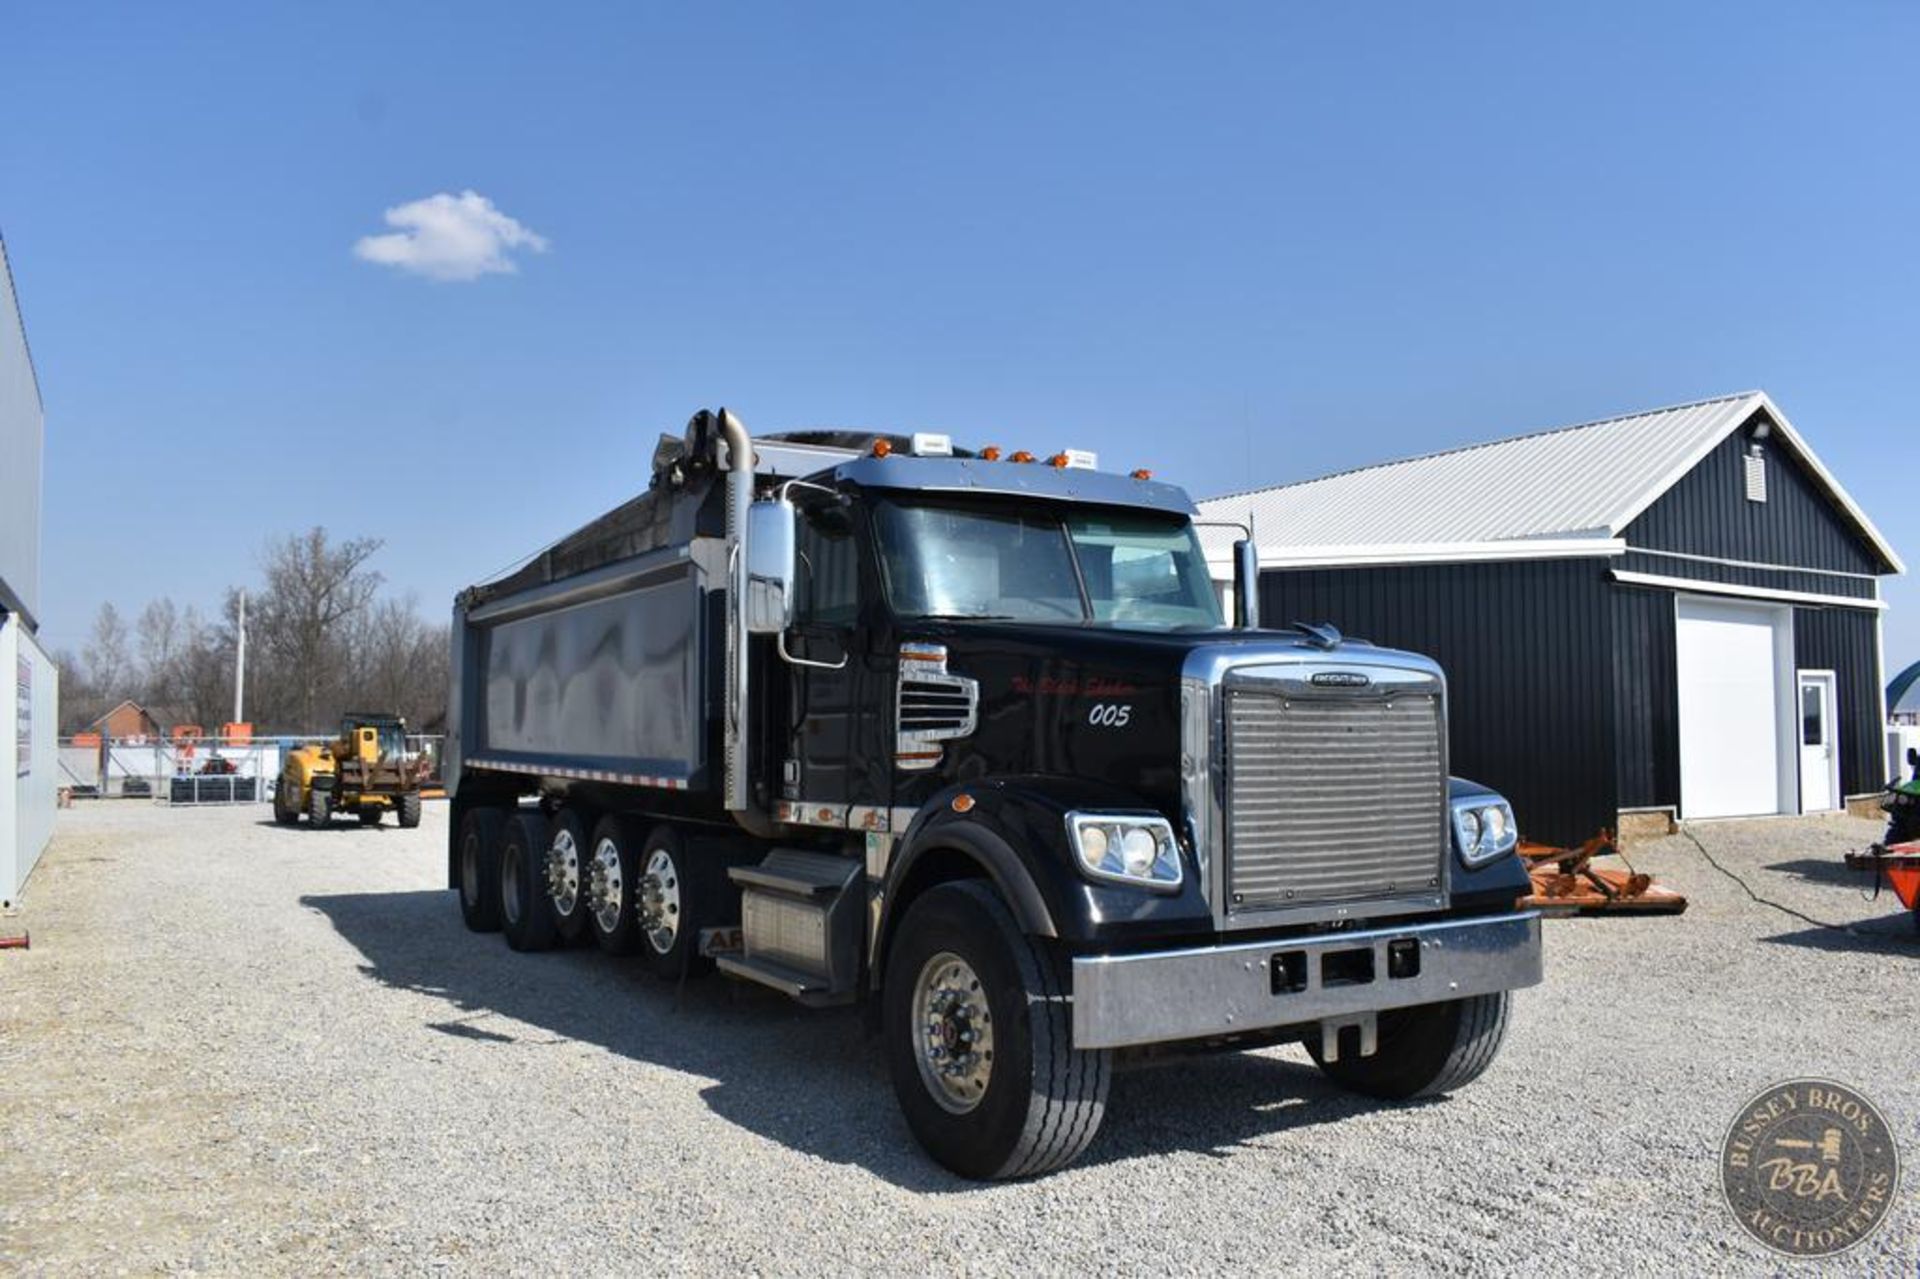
833 710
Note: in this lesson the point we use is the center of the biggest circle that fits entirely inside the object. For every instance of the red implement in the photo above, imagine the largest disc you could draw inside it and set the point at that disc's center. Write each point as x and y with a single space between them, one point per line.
1565 880
1896 865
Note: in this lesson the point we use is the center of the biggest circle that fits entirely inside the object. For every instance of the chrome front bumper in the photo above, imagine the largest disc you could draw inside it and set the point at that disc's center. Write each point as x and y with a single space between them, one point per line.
1226 990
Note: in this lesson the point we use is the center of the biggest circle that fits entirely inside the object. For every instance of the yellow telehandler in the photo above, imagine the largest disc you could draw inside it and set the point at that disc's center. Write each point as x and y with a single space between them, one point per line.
365 771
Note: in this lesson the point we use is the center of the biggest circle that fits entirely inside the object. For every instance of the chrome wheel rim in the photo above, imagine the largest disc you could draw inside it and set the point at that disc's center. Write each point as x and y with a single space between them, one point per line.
953 1032
563 872
658 901
605 890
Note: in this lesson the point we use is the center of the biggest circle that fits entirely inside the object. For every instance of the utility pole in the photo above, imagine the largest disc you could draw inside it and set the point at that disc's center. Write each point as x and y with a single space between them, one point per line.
240 663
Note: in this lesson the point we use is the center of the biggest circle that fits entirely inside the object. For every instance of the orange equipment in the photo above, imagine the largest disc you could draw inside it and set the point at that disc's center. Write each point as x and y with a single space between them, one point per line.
1566 881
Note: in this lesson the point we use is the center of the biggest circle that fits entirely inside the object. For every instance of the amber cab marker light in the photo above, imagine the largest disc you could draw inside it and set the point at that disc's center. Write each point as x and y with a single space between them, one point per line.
881 448
1021 456
963 803
1058 461
991 453
1143 474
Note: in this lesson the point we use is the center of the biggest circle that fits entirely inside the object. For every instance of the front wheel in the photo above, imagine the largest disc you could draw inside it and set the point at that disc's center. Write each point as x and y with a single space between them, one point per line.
1424 1051
410 810
319 806
979 1040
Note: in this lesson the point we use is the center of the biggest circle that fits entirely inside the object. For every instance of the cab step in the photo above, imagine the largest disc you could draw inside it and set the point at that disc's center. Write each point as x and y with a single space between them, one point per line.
802 987
801 917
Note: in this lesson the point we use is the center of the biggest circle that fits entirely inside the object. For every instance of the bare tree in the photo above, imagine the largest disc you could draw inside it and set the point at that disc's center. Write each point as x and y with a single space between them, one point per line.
320 642
300 623
159 631
109 664
401 662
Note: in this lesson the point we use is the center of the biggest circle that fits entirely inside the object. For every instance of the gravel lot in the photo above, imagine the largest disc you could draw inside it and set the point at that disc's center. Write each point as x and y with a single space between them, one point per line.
239 1048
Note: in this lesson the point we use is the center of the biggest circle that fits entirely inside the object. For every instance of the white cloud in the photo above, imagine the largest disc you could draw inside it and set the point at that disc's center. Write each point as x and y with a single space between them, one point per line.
449 237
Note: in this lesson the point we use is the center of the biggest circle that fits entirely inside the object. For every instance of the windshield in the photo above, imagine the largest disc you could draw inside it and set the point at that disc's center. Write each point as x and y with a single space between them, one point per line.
1113 569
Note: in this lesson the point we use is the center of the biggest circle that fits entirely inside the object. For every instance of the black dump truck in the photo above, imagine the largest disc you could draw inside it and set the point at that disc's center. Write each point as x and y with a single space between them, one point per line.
967 738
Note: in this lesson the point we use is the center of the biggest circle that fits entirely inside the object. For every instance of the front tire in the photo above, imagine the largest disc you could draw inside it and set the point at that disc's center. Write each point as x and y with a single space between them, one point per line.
979 1040
319 806
410 811
480 868
526 915
1425 1051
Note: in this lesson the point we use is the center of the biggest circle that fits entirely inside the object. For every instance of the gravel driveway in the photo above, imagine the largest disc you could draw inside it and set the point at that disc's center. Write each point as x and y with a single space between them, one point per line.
234 1048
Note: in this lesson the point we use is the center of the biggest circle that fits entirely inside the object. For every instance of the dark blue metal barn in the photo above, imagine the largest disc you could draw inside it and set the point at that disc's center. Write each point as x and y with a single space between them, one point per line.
1671 614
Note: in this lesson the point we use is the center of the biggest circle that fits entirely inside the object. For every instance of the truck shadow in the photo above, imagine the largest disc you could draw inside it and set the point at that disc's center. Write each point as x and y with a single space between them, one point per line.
814 1081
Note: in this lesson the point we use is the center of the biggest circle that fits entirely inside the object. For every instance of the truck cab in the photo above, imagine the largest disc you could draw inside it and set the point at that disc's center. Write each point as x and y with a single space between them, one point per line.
1000 764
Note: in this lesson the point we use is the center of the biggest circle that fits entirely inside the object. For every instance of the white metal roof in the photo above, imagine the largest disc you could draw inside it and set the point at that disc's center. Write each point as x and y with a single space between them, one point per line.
1568 486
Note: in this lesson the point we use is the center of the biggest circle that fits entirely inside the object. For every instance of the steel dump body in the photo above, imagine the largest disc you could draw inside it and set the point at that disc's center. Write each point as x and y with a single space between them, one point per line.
598 661
601 674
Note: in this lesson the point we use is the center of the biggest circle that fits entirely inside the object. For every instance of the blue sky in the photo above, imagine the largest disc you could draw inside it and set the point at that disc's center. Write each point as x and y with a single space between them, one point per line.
1151 231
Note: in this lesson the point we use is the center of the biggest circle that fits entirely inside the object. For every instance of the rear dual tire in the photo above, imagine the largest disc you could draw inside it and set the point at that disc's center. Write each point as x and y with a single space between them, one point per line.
645 896
526 911
479 867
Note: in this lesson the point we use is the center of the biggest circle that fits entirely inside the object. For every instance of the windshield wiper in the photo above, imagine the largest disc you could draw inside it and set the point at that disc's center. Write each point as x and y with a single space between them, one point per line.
964 617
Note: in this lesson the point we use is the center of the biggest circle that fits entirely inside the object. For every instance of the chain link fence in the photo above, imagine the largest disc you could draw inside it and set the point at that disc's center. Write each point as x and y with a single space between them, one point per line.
193 770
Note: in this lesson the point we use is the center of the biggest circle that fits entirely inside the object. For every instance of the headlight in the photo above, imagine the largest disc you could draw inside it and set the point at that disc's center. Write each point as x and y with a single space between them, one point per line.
1125 849
1482 829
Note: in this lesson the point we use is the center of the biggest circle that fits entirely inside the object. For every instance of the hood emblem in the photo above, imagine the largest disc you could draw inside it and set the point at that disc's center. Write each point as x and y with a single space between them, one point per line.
1340 679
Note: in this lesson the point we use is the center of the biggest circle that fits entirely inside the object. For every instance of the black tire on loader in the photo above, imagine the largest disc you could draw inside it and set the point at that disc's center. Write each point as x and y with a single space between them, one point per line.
409 810
368 816
526 912
1426 1050
480 868
319 806
284 812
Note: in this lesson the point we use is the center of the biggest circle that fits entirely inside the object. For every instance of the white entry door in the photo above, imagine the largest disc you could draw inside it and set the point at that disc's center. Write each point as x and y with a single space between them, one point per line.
1819 756
1734 674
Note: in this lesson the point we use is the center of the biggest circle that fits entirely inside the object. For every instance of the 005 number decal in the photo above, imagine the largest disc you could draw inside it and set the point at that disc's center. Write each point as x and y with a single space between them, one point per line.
1109 715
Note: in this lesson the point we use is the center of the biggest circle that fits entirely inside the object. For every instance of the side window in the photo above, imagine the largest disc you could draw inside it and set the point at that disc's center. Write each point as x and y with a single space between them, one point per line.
829 573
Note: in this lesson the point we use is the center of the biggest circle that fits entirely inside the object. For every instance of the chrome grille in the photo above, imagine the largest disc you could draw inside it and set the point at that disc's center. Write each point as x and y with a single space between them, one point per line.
1333 798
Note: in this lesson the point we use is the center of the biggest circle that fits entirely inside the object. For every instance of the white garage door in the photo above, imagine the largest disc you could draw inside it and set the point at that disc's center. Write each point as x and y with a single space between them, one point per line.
1730 662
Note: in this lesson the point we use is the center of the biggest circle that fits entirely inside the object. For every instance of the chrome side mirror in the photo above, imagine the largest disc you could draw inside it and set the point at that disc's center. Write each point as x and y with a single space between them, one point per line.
1246 585
770 567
